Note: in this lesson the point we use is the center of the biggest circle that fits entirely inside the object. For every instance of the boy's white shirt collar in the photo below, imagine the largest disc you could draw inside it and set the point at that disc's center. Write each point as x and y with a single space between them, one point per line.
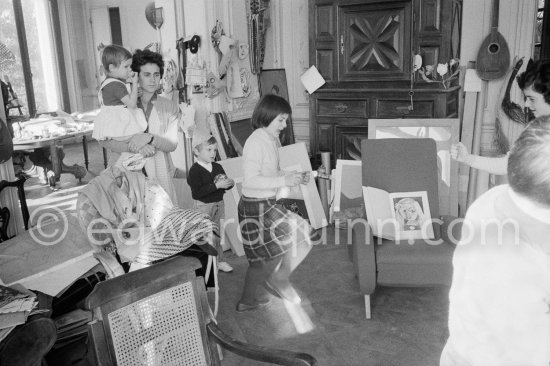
207 166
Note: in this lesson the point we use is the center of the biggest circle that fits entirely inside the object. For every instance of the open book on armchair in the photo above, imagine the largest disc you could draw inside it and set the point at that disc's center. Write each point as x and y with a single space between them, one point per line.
398 215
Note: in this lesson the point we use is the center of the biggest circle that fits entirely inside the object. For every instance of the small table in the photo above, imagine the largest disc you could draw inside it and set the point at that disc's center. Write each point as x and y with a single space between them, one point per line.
55 145
48 257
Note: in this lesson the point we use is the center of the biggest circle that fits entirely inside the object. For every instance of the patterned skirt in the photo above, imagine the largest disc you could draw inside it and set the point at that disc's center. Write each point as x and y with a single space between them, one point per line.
268 229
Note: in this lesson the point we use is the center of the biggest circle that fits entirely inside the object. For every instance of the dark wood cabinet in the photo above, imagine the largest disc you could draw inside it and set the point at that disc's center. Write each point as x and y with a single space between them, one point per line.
365 51
375 41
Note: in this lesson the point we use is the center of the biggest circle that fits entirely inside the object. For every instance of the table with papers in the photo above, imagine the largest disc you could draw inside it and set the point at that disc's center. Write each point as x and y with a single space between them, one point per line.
16 304
26 331
47 267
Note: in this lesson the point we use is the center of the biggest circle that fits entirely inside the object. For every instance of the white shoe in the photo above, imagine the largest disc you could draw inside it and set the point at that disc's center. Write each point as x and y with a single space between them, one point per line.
225 267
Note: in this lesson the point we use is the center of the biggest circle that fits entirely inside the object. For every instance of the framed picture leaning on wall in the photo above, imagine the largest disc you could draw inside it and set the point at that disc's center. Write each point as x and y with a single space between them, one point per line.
273 81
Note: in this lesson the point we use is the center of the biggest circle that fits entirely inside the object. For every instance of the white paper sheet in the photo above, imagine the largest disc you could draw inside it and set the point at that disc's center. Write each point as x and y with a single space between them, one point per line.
472 82
312 79
53 281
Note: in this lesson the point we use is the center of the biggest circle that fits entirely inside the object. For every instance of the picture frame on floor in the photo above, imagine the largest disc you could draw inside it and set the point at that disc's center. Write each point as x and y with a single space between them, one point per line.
347 184
236 191
347 199
445 132
296 155
273 81
231 230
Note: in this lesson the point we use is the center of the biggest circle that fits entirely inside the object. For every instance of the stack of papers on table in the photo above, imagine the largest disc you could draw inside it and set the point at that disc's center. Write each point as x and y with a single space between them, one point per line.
15 307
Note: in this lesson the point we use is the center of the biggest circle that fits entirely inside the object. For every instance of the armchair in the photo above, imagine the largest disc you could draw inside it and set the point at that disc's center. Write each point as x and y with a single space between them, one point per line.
402 165
160 315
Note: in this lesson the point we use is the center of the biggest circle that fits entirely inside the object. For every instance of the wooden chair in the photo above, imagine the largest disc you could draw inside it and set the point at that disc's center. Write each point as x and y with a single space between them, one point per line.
160 315
5 212
402 165
12 100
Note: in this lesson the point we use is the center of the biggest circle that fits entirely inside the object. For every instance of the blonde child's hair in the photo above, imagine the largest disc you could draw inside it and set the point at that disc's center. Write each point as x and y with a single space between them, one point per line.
114 55
198 147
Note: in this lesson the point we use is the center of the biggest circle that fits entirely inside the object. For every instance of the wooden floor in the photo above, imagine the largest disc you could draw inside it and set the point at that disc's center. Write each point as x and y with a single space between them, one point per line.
408 326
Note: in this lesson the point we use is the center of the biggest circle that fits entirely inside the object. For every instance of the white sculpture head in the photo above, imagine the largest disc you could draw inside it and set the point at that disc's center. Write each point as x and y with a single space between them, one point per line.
243 50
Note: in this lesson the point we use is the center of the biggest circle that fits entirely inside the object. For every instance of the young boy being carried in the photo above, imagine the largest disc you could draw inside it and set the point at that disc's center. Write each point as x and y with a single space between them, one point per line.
208 183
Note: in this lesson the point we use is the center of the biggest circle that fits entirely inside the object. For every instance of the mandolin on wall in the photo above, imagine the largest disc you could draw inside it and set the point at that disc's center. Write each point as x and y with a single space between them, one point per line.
493 57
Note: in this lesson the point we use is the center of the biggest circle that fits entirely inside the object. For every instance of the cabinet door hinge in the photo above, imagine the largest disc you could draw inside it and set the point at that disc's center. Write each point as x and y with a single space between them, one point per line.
342 44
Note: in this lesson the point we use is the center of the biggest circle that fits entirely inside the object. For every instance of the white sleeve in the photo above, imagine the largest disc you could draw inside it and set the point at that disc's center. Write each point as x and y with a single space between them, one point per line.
169 141
253 157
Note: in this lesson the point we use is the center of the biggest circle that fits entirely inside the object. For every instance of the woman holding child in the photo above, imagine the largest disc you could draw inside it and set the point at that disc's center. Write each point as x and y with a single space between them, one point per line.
126 198
159 138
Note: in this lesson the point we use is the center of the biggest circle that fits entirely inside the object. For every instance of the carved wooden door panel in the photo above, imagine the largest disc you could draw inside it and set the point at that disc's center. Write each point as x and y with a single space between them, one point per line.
323 38
348 141
375 41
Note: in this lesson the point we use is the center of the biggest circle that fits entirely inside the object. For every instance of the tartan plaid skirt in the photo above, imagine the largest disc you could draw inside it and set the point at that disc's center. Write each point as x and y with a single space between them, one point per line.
268 229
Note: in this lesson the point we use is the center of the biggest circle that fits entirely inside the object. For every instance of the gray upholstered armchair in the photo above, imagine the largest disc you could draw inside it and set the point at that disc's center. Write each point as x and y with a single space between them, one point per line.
402 165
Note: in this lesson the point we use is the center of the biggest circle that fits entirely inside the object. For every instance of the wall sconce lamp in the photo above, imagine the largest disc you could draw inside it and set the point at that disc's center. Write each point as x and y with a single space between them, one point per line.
159 17
155 16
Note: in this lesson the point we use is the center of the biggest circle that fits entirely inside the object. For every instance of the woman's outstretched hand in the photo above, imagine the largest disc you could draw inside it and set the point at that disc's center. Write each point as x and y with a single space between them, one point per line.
138 141
459 152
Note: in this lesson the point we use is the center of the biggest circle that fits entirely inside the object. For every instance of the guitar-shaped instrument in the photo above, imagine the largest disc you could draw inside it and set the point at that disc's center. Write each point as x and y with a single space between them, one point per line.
493 57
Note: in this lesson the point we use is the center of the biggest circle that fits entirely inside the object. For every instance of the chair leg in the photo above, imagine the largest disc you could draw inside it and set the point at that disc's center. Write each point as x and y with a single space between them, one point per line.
220 352
367 306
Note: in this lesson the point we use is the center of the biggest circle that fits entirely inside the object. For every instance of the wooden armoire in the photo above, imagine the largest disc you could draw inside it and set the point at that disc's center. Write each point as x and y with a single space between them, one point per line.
365 52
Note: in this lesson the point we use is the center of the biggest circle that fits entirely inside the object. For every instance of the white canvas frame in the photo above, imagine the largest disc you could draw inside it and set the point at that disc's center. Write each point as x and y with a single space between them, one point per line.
296 154
235 190
340 167
232 232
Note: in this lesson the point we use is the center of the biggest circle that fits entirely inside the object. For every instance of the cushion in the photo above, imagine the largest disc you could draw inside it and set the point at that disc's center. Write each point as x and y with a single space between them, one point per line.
417 264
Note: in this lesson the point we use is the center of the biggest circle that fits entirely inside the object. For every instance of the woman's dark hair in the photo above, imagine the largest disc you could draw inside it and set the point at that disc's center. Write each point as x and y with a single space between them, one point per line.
529 162
143 57
267 109
537 75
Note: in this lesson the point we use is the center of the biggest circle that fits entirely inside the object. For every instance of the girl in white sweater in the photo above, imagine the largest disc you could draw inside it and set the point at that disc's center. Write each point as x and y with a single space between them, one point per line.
275 239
